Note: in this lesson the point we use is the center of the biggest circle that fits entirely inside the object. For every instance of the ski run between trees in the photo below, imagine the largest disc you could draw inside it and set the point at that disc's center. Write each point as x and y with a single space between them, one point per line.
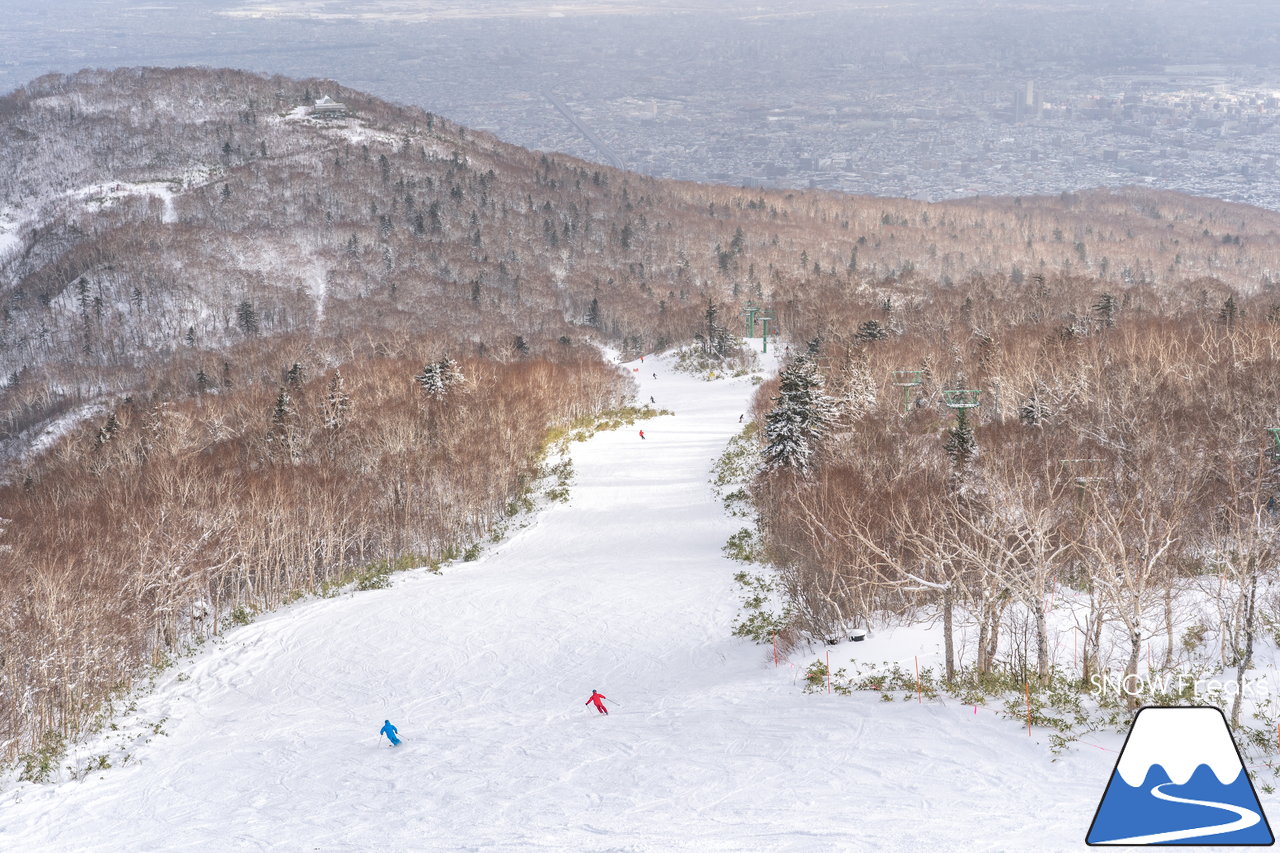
270 739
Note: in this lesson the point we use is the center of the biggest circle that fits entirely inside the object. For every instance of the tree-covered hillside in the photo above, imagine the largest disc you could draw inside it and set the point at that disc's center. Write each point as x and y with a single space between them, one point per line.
214 304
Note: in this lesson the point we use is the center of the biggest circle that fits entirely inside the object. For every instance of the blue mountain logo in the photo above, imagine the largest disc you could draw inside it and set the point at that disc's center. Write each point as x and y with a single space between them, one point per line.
1180 781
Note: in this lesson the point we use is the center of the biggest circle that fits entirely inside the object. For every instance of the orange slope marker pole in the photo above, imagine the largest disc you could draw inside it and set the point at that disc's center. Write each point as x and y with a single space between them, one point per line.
1028 686
919 699
828 672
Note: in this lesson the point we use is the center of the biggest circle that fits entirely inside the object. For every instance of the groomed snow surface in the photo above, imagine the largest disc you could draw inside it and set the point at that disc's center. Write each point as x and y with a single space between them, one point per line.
272 735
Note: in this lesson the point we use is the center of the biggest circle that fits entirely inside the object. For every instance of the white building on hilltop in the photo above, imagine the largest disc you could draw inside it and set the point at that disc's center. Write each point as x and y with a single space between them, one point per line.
326 106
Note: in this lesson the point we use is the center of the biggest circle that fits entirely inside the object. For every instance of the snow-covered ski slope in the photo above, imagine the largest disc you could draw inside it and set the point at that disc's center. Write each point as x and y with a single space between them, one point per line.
273 734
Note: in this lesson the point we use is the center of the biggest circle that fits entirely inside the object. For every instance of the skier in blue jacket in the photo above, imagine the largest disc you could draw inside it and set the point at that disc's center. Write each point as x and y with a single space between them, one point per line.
390 731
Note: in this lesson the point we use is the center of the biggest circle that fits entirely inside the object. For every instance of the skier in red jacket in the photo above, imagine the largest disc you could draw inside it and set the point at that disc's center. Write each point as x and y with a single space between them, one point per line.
598 698
642 433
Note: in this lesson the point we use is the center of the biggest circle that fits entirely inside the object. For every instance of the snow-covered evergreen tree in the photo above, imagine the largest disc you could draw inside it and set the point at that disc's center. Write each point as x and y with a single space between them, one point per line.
282 440
871 330
107 431
247 318
800 418
1230 311
431 381
1105 308
438 377
337 405
284 408
961 444
1034 411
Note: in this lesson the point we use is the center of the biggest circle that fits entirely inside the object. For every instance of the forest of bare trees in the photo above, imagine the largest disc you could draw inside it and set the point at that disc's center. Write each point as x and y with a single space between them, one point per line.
213 309
154 211
1119 454
154 524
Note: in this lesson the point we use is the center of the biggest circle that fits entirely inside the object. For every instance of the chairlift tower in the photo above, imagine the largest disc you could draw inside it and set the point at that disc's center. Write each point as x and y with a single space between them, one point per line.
1275 437
1084 479
906 380
751 310
765 334
960 398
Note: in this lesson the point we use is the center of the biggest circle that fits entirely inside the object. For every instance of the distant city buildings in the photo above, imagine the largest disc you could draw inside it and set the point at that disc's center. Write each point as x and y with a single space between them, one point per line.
1025 104
930 101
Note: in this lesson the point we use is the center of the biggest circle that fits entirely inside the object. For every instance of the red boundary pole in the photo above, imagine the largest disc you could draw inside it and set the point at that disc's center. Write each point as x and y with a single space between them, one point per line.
919 698
828 672
1028 685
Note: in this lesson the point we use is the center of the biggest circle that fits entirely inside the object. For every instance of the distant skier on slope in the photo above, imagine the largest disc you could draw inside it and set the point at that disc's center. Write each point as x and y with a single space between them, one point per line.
642 433
390 731
598 698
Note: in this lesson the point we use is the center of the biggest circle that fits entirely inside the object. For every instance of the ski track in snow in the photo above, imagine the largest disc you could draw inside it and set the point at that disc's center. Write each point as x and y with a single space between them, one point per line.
14 220
273 734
